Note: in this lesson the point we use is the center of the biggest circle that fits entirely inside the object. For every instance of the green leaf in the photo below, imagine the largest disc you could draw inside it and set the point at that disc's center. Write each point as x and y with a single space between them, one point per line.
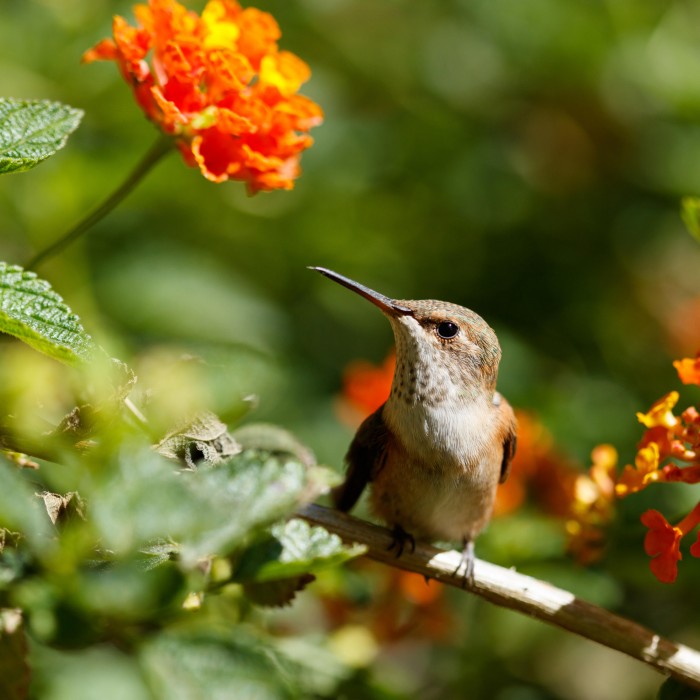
31 131
14 668
276 594
98 672
274 439
123 590
690 213
158 553
31 311
12 562
214 510
247 494
217 664
292 549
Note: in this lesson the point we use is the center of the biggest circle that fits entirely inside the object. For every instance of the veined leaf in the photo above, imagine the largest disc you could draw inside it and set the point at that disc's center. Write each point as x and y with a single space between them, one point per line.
213 510
31 311
247 494
294 548
31 131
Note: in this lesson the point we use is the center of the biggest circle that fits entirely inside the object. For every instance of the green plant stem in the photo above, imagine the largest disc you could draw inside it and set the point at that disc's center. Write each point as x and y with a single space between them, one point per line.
162 146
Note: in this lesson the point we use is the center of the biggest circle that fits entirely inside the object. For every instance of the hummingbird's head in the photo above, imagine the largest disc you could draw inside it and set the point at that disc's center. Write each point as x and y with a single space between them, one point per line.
448 342
442 349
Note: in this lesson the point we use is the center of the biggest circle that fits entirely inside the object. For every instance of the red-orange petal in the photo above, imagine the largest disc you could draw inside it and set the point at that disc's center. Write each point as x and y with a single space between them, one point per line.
688 370
695 547
105 50
662 542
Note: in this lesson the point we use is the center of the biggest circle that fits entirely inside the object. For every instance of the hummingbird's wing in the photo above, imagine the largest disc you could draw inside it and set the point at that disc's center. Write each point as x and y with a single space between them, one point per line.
366 455
510 440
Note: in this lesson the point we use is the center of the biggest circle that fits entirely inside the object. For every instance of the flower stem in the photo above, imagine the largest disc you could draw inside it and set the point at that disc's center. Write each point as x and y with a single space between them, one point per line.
162 146
691 521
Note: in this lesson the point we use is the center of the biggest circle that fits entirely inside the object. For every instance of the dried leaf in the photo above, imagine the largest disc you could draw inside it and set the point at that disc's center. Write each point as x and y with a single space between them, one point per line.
203 439
61 507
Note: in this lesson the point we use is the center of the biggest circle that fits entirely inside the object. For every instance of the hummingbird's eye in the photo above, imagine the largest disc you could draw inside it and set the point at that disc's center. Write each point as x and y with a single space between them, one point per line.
447 329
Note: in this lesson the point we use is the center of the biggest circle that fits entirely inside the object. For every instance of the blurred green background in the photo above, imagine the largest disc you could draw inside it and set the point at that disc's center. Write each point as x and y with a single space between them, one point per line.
525 159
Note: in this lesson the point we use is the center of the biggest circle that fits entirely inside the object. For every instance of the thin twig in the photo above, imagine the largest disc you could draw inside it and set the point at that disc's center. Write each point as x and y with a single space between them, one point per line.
162 146
525 594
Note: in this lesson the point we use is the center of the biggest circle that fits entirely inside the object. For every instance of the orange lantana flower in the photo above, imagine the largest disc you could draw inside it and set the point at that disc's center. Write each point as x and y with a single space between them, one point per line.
689 370
668 452
592 506
663 542
219 85
668 437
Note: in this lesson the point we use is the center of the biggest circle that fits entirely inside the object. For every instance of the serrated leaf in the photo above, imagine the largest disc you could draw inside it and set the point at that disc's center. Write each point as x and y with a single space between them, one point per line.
690 213
292 549
32 312
246 494
157 554
217 664
214 510
33 130
14 666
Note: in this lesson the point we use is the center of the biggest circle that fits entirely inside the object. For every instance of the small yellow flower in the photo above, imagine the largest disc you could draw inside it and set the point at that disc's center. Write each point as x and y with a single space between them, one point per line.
661 412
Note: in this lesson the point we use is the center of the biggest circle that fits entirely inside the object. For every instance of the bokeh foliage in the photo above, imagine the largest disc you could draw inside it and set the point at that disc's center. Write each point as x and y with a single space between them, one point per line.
525 159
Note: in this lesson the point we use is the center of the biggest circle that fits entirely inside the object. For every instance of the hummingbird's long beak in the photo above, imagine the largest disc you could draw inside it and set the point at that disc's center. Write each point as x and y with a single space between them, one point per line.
388 306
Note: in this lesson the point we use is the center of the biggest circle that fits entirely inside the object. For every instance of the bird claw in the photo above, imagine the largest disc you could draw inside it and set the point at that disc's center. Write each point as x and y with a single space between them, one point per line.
399 539
466 563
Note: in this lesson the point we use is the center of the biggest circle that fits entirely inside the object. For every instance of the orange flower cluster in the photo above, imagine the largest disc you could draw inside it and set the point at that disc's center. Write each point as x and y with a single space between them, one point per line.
584 501
592 505
668 452
219 85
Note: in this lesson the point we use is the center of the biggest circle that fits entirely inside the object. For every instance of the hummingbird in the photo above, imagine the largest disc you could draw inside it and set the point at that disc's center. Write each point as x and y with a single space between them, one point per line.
436 450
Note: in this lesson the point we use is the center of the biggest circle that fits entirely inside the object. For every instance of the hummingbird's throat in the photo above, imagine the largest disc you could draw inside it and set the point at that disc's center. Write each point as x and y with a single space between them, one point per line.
424 373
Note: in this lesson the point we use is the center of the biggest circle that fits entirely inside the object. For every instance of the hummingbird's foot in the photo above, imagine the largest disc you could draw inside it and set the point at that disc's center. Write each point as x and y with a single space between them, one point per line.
466 564
399 539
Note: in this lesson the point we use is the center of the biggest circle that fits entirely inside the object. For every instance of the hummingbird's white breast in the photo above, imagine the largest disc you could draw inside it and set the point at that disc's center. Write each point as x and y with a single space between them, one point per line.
445 424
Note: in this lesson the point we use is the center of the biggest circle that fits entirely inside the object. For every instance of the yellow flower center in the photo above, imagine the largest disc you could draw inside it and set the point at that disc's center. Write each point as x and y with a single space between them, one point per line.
221 34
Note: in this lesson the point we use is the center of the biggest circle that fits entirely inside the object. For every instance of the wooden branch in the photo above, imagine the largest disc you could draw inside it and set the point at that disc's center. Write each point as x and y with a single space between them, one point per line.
525 594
